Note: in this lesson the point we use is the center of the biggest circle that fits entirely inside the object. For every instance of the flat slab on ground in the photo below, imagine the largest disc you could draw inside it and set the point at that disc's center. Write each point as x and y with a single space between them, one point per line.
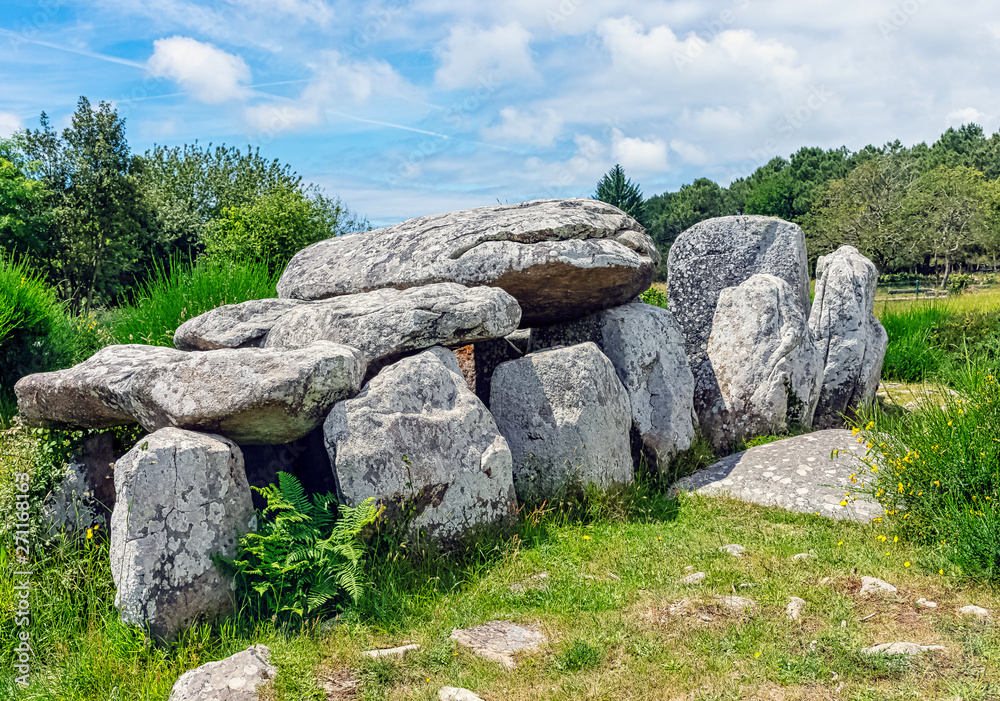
809 474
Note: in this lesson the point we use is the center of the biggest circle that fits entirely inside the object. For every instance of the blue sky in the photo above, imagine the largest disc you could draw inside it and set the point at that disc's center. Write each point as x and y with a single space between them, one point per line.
405 108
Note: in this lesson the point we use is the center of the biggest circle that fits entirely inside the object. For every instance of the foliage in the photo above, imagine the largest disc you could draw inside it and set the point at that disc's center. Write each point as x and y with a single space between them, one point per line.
35 334
578 656
305 557
657 296
672 213
958 284
175 293
23 217
911 355
618 190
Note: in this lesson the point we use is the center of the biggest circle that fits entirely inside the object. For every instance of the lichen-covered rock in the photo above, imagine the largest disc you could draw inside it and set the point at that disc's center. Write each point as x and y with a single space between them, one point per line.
852 342
720 253
250 395
236 678
646 347
420 442
499 641
182 498
243 325
567 419
766 365
560 259
385 323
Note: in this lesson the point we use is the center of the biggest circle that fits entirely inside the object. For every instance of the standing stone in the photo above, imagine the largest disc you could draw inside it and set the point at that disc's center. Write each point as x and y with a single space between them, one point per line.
720 253
182 498
251 395
567 418
766 365
820 266
236 678
560 259
646 347
851 340
420 442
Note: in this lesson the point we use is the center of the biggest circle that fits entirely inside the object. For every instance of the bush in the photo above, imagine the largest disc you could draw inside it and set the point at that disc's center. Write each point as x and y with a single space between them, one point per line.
655 295
305 559
959 283
35 333
176 293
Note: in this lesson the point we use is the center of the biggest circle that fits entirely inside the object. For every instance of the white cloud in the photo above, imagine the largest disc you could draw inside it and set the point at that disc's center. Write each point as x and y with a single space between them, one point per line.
210 74
471 56
9 123
536 128
969 115
637 155
303 10
689 153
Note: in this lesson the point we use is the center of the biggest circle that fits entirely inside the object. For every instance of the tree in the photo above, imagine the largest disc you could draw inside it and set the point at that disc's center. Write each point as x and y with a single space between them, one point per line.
616 189
672 213
23 217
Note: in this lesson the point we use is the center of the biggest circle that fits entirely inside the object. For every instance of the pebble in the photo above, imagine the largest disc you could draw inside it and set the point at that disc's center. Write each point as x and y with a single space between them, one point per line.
873 585
696 578
734 550
901 649
926 603
803 556
977 611
390 652
795 608
452 693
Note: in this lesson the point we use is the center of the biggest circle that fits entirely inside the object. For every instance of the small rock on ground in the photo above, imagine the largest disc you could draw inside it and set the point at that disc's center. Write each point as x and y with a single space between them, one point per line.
926 603
498 640
795 608
451 693
391 652
977 611
804 556
235 678
696 578
901 649
737 604
873 585
534 583
734 550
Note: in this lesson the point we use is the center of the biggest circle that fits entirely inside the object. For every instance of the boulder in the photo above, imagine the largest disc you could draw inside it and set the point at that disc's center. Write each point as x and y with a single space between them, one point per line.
567 419
243 325
766 366
646 347
851 340
236 678
182 498
419 441
251 395
560 259
720 253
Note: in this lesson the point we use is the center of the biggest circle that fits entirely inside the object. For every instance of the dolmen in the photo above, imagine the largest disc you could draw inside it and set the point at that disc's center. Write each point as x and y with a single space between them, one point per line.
454 367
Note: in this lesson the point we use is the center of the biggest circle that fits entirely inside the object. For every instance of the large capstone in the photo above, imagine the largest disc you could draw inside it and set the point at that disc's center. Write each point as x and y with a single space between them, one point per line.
252 395
567 419
560 259
182 498
766 365
851 340
243 325
646 347
420 442
720 253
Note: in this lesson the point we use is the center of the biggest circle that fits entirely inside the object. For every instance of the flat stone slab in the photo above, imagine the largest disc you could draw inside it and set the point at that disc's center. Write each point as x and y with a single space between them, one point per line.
499 640
235 678
808 474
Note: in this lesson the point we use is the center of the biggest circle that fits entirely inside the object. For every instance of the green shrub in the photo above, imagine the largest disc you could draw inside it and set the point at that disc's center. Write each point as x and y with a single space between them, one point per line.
578 656
35 333
305 559
176 293
656 296
959 283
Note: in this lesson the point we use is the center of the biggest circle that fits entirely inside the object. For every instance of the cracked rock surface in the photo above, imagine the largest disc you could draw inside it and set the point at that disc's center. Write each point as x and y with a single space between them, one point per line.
236 678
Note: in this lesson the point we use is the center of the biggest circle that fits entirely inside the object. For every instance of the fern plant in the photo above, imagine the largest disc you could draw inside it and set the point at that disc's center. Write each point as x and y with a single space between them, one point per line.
306 557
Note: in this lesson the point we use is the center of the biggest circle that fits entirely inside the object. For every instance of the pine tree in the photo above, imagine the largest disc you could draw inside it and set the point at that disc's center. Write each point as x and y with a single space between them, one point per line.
616 189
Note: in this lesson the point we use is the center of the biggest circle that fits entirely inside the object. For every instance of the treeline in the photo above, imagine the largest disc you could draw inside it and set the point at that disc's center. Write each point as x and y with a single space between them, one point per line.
96 219
923 209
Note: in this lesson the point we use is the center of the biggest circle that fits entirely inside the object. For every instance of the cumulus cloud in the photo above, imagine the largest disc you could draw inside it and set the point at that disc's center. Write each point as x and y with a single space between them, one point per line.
689 153
9 123
638 155
471 55
969 115
210 74
536 128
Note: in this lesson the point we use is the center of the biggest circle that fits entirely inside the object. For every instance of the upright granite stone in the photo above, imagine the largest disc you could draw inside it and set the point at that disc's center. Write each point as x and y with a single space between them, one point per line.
567 419
851 340
418 440
646 347
254 396
182 497
720 253
560 259
766 365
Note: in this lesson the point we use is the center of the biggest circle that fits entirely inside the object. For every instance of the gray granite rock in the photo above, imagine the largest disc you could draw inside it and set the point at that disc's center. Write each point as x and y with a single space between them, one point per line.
720 253
646 347
236 678
451 693
499 641
851 340
694 578
901 648
734 550
767 368
808 474
254 396
795 607
419 441
874 585
567 418
560 259
975 611
182 498
243 325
